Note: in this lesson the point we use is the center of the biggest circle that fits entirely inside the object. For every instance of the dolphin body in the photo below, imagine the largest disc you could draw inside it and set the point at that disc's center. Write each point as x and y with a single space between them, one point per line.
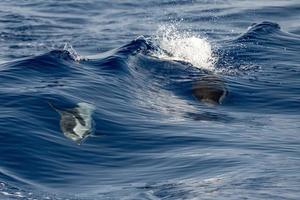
210 89
76 123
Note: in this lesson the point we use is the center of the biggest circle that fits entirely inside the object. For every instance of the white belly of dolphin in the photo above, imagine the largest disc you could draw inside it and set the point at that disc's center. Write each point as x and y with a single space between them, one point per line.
85 110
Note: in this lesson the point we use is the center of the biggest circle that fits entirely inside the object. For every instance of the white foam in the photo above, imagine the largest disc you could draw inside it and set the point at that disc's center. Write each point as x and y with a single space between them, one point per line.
74 55
184 46
13 195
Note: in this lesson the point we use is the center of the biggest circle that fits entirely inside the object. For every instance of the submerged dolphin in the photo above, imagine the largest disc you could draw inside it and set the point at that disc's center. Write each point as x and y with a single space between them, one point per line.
210 89
76 123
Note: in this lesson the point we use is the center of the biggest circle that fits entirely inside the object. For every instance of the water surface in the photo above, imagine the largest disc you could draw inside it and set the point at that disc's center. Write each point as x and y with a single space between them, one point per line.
137 63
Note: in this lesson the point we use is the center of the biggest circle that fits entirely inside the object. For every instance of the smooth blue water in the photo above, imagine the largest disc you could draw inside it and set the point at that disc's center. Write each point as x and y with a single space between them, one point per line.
137 62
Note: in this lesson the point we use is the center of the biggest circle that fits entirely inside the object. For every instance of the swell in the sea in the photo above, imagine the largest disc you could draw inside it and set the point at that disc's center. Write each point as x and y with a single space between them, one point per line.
144 104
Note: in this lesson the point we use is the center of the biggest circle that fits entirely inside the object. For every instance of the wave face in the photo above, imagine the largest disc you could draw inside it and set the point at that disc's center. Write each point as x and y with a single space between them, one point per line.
152 138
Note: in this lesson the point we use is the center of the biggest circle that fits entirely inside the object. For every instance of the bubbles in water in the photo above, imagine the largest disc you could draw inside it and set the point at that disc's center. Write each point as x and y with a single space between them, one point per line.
184 46
74 55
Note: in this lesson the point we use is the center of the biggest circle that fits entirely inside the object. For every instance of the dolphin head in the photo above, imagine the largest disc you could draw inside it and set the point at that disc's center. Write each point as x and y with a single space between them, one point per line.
210 89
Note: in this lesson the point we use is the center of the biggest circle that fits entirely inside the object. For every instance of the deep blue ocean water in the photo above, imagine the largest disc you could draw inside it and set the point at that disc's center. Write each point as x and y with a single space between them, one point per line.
136 62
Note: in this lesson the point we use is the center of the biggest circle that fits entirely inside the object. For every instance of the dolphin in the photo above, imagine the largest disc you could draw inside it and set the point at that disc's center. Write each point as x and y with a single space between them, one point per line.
76 123
210 89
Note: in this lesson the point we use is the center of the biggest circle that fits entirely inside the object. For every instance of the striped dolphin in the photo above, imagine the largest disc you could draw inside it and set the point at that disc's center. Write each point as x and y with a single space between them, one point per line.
76 123
210 89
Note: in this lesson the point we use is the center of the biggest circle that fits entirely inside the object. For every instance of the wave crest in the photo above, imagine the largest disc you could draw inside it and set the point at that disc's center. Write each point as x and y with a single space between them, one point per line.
74 55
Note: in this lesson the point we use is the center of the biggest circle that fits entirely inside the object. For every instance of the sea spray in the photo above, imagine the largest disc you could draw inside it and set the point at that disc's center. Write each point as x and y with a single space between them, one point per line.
184 46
